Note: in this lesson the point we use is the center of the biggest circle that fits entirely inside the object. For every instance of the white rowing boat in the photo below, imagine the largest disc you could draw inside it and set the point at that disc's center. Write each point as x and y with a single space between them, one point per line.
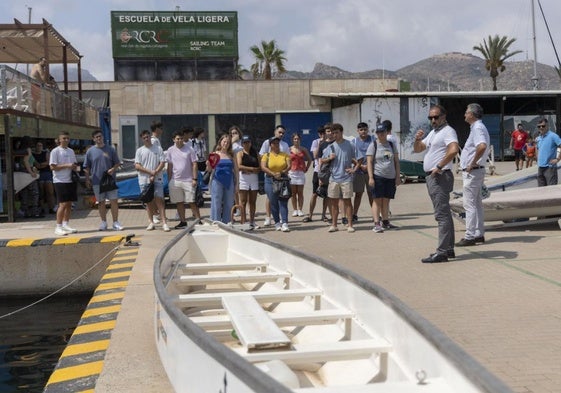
237 313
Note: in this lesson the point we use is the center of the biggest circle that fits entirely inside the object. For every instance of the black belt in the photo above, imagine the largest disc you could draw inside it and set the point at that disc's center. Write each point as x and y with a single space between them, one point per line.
442 170
474 167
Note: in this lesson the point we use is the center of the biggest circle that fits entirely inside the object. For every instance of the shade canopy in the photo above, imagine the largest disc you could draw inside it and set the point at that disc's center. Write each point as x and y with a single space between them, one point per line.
26 43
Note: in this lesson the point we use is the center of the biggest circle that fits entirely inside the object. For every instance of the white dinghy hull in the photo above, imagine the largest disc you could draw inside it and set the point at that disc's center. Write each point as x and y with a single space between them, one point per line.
518 204
237 313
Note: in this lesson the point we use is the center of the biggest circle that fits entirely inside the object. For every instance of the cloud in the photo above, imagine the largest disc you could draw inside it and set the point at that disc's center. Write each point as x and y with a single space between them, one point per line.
355 35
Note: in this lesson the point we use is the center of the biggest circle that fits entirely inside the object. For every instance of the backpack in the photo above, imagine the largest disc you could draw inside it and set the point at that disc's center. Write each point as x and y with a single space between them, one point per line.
376 149
324 172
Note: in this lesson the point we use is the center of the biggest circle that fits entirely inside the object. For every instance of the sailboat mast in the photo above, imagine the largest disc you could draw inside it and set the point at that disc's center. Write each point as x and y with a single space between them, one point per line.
535 79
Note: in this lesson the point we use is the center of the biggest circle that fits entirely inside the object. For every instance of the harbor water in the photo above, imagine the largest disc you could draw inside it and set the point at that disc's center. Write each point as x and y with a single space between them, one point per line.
31 341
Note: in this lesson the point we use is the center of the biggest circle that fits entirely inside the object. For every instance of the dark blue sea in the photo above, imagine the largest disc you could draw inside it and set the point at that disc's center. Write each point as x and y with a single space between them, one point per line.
32 341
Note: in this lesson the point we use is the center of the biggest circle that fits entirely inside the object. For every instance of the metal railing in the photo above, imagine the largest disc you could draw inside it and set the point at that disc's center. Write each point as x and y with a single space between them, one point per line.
20 92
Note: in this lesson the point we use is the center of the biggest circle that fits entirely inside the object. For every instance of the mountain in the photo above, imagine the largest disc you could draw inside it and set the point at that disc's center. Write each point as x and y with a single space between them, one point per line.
448 71
452 71
57 73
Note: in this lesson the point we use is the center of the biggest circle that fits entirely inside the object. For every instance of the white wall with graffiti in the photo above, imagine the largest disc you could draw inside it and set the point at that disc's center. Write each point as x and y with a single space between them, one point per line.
407 114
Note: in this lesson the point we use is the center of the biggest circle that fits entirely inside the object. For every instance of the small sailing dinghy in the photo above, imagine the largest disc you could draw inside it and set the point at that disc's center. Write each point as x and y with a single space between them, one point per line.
237 313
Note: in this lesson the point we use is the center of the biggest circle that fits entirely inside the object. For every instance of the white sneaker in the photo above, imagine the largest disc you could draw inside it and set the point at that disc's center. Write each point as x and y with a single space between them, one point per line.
68 229
60 232
166 228
285 228
300 213
103 226
267 221
117 226
151 227
278 226
155 220
295 213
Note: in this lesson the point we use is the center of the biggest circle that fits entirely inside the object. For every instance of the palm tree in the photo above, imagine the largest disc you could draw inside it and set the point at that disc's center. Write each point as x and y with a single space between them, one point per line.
269 60
495 51
240 71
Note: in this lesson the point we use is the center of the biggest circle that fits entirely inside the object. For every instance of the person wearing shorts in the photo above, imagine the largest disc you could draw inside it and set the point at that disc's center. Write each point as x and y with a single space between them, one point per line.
249 168
517 142
182 172
62 162
383 176
149 162
343 166
301 160
101 158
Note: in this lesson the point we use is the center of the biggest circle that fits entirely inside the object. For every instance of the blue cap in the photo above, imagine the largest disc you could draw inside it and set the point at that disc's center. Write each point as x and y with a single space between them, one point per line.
381 127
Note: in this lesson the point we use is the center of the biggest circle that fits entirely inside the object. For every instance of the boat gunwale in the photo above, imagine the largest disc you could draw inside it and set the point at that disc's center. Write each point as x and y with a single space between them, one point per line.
258 380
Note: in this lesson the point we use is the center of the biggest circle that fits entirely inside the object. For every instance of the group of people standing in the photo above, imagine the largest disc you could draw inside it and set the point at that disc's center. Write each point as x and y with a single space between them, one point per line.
354 166
441 146
526 148
236 178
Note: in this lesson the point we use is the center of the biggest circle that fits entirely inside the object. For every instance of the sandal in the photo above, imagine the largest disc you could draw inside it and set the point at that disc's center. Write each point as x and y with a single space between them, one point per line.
307 219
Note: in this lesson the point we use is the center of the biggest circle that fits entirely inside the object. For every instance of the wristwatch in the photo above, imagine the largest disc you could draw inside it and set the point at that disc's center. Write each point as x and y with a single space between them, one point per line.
438 167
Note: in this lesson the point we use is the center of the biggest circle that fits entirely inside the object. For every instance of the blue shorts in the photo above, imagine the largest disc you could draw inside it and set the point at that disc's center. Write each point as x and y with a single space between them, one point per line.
383 188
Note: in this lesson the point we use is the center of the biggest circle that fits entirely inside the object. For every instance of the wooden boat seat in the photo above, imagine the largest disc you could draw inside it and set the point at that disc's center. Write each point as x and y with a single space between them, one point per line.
232 277
322 351
437 385
215 298
317 317
254 327
216 267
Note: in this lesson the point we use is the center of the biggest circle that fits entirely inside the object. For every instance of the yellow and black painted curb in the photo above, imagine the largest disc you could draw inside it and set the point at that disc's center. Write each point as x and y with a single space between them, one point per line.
67 240
82 360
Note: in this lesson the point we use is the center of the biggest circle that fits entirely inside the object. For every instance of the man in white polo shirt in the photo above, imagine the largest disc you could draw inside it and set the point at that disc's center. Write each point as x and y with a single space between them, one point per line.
441 145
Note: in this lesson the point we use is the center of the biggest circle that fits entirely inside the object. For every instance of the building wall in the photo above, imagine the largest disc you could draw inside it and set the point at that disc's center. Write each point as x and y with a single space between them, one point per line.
226 97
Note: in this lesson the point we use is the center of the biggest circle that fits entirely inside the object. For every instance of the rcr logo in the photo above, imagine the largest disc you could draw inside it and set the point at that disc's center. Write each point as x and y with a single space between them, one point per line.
144 36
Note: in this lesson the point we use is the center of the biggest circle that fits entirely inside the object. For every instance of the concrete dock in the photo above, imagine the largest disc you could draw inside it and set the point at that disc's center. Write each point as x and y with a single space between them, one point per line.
500 301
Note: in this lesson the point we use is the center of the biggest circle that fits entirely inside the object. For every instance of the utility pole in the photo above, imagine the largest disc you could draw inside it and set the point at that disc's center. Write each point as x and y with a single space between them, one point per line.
535 79
28 21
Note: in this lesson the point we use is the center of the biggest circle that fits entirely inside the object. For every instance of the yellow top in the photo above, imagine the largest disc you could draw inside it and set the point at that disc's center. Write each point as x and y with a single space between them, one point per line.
277 162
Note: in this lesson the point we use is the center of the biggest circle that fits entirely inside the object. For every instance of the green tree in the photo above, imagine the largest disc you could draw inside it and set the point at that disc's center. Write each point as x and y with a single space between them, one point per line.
269 60
240 71
495 50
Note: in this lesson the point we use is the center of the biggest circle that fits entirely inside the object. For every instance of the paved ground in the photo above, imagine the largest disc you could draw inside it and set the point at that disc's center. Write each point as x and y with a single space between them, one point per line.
500 301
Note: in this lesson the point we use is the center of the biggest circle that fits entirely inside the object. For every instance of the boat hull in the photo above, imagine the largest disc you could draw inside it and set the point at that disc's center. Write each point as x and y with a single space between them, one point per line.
518 204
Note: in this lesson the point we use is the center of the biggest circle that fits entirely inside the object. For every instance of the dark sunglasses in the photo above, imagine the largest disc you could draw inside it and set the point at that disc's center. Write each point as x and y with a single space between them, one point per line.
541 125
434 117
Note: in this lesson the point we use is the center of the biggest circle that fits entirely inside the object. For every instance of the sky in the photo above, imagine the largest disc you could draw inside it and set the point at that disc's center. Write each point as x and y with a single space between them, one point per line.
354 35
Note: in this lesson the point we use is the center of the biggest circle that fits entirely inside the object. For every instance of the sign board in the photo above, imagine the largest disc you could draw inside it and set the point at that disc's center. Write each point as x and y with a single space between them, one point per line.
165 35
